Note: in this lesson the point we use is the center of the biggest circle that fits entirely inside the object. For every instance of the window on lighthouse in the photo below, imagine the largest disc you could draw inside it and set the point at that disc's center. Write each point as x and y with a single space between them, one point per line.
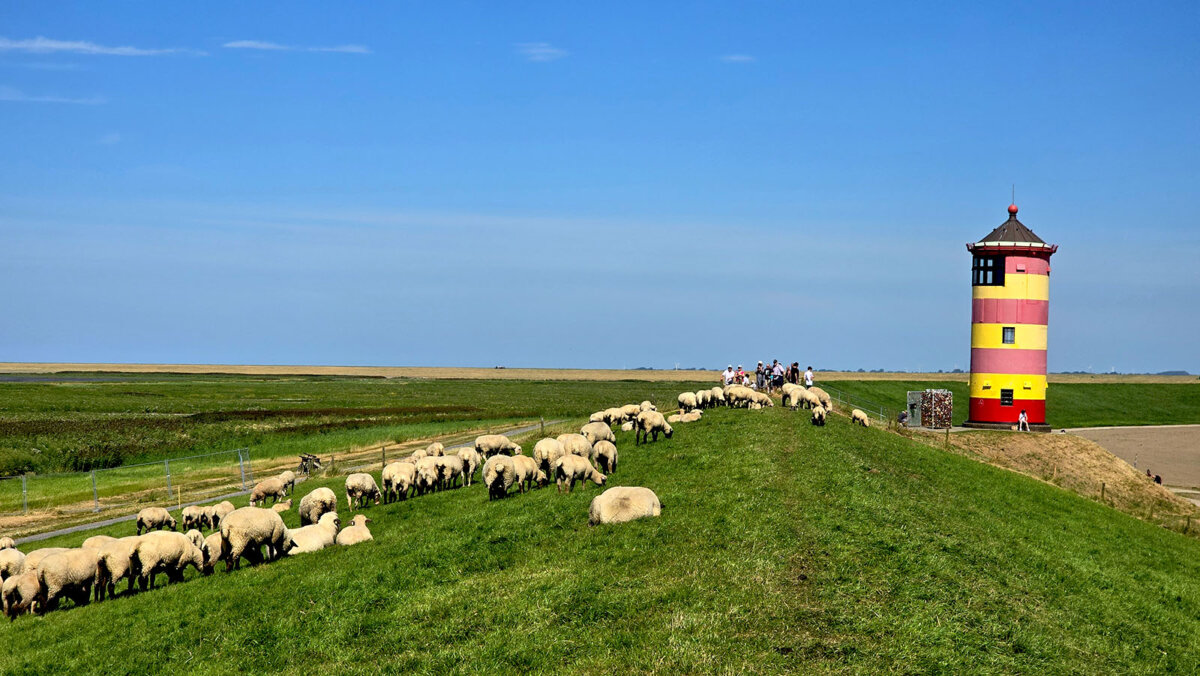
987 271
1010 335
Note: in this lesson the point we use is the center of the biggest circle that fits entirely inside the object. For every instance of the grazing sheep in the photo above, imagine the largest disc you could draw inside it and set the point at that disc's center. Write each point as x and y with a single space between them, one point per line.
571 468
245 531
599 416
450 468
154 518
212 551
761 399
282 506
546 451
623 503
738 395
858 417
491 444
576 444
398 478
631 411
7 543
316 537
356 533
615 415
97 541
754 406
217 512
316 503
11 563
823 396
801 398
417 455
114 563
267 488
649 424
288 479
647 406
70 574
169 553
471 462
594 432
436 449
718 396
361 487
606 456
34 559
687 401
428 475
702 398
627 426
19 593
527 473
818 415
192 517
499 473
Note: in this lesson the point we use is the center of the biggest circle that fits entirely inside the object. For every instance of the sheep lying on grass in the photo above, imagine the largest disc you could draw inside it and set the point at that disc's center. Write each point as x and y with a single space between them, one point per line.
361 487
605 456
19 593
623 503
282 506
267 488
356 533
491 444
70 574
247 530
154 518
571 468
627 426
398 478
499 473
169 553
649 424
693 416
316 503
859 418
527 473
316 537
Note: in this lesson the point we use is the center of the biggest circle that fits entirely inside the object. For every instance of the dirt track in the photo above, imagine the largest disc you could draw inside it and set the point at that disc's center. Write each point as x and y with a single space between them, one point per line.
1172 451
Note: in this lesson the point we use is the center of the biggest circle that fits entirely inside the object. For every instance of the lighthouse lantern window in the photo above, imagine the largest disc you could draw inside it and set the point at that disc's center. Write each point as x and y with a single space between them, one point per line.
987 271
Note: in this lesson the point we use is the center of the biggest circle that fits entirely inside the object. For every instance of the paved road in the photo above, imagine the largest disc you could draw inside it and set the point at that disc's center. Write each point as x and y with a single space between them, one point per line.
1171 451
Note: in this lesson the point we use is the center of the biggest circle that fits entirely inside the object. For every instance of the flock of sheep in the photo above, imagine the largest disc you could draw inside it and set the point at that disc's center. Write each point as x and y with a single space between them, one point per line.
35 582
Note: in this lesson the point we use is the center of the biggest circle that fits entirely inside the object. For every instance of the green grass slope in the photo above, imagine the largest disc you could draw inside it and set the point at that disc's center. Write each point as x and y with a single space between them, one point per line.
782 547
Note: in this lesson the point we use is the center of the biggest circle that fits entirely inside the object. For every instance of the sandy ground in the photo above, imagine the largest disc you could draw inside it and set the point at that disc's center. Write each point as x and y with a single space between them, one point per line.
519 374
1172 451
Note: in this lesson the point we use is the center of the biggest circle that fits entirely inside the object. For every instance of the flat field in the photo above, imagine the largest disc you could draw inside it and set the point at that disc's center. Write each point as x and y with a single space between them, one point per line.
782 547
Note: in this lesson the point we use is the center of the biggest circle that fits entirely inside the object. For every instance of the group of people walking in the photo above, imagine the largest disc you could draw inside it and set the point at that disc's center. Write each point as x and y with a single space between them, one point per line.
768 378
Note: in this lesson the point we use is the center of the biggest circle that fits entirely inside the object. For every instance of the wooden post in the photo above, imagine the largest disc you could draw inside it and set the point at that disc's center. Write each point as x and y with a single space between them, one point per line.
1101 491
383 455
1188 526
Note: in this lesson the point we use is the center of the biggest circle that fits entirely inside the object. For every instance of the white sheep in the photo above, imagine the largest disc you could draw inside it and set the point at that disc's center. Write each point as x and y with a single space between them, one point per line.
356 533
623 503
318 536
212 551
761 399
594 432
282 506
398 478
823 396
546 451
97 541
599 416
154 518
571 468
471 463
417 455
738 395
114 563
647 406
7 543
245 531
527 473
685 417
70 574
631 411
860 418
428 475
606 455
361 487
702 398
499 473
491 444
450 468
718 396
649 424
192 517
267 488
576 444
316 503
818 415
627 426
217 512
169 553
687 401
436 449
11 563
19 593
34 559
288 479
615 415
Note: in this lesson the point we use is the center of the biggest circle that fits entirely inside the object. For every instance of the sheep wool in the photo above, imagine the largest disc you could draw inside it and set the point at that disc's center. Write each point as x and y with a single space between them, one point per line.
154 518
818 416
247 530
546 451
450 469
571 468
316 503
34 559
859 418
575 444
398 478
428 475
647 406
499 473
823 397
114 563
7 543
471 463
356 533
318 536
687 401
361 487
527 473
267 488
436 449
18 593
70 574
11 563
594 432
97 541
288 479
169 553
623 503
627 426
649 425
606 456
491 444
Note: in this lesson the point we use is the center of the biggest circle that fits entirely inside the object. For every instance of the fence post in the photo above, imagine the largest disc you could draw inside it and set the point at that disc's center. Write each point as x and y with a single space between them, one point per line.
242 468
1102 491
24 496
95 495
383 454
543 419
167 464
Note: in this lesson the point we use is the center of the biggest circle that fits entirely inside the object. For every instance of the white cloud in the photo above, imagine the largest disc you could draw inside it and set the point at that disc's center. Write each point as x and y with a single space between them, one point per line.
110 139
263 45
540 51
43 45
16 96
738 58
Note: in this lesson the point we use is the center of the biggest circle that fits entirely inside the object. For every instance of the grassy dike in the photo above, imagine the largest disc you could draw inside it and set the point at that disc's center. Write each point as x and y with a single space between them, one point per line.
782 547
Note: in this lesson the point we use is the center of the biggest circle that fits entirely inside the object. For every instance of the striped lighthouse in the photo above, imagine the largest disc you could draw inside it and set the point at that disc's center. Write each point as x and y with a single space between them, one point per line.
1010 303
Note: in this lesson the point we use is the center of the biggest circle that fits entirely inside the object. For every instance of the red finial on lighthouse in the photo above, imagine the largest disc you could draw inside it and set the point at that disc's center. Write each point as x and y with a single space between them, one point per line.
1012 210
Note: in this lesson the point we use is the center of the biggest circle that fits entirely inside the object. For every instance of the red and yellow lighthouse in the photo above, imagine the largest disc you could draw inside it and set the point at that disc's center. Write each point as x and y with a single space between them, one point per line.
1010 303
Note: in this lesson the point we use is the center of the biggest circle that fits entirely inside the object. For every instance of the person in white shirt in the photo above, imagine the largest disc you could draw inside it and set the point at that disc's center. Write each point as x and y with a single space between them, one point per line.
727 375
1023 422
808 377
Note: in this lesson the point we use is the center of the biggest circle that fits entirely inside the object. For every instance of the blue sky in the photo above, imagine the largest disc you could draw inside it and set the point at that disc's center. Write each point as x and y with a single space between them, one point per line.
590 185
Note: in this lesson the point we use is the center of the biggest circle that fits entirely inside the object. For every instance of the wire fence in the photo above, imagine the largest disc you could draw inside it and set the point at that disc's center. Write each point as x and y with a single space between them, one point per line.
170 482
871 408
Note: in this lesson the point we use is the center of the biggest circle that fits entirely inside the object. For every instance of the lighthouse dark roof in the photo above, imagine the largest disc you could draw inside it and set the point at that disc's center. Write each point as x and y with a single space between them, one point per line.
1012 231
